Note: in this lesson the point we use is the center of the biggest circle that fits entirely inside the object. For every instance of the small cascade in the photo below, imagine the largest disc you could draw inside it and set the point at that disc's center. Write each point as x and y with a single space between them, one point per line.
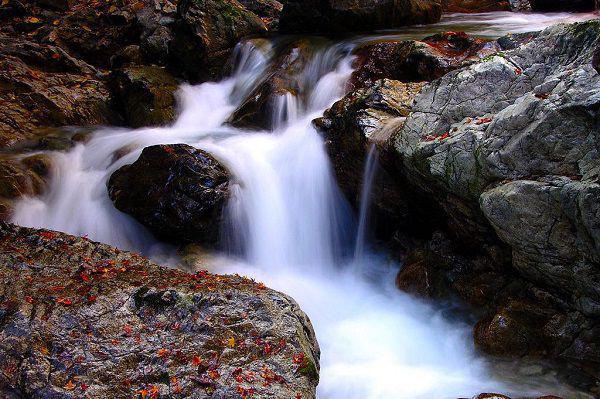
365 202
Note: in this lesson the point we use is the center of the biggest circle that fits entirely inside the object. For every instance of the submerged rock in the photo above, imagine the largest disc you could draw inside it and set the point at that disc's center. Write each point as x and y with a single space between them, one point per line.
177 191
319 16
83 319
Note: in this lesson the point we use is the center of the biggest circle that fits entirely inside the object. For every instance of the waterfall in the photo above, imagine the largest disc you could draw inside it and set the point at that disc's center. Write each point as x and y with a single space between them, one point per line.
287 224
365 202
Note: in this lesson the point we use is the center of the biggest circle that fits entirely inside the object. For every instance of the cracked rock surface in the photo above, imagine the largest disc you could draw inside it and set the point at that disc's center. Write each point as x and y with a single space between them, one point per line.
83 319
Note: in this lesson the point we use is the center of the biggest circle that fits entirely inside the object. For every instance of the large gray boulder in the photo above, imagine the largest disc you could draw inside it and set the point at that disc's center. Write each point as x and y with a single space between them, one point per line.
83 319
509 147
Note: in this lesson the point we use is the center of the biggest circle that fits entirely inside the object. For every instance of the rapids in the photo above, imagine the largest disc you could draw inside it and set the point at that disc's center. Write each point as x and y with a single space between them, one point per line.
288 224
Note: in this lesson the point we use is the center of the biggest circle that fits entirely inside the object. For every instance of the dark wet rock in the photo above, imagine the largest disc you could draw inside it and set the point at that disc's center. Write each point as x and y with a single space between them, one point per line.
596 59
178 192
363 118
43 86
507 149
319 16
83 319
411 60
268 10
258 110
206 32
21 176
475 6
145 94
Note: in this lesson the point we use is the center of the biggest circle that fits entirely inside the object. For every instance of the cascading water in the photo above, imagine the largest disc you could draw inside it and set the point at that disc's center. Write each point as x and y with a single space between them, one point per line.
289 226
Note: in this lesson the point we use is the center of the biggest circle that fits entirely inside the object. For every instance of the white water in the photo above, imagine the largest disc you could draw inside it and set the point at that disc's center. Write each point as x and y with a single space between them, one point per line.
292 229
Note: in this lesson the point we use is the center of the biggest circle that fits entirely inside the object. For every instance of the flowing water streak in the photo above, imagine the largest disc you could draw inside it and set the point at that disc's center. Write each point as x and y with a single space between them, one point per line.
291 227
365 202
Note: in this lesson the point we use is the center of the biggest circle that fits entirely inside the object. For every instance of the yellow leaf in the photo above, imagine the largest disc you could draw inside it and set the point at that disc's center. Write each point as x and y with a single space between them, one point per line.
231 342
32 20
5 2
112 8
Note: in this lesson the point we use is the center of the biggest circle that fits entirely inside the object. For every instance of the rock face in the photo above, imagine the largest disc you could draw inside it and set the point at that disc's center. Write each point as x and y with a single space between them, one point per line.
42 86
145 94
178 192
365 118
268 10
205 33
315 16
83 319
412 60
507 148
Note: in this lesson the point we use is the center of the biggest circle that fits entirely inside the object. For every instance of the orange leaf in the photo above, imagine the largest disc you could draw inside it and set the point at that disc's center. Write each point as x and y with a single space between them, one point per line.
70 386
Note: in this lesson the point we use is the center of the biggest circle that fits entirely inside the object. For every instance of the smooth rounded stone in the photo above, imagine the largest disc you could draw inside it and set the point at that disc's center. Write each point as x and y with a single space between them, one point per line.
84 319
144 94
268 10
177 191
320 16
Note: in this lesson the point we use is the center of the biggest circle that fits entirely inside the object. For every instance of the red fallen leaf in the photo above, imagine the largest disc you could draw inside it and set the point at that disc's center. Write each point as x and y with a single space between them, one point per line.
267 349
429 137
84 386
55 56
444 136
298 358
481 121
92 298
518 71
196 360
127 329
84 277
48 235
162 352
261 286
28 299
64 301
542 96
57 288
169 149
298 396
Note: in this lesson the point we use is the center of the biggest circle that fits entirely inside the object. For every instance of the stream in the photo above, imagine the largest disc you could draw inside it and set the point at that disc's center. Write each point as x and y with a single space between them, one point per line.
288 225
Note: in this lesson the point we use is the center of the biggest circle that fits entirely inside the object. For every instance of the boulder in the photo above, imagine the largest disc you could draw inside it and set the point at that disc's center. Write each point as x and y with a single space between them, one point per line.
320 16
507 149
42 86
267 10
83 319
363 118
177 191
412 60
145 94
205 33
